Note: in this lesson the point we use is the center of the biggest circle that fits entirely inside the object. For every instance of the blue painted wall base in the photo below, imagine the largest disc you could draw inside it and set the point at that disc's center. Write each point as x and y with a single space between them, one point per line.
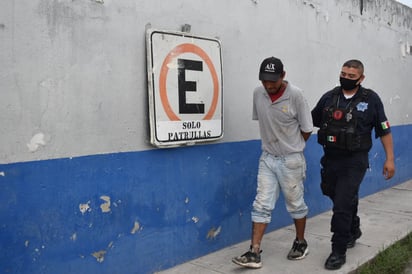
141 212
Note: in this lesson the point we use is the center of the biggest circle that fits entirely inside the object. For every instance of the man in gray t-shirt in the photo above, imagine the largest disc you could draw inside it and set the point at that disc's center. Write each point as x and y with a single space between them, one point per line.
285 124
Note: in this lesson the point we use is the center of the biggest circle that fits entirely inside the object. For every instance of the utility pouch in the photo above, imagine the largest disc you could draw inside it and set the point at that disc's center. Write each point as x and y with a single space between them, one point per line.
332 137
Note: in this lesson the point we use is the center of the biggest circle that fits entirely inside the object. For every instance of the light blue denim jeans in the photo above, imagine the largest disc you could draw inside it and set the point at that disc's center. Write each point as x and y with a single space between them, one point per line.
276 173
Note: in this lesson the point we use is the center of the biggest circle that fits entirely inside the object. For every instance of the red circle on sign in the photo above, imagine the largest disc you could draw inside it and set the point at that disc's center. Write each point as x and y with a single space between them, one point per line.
178 50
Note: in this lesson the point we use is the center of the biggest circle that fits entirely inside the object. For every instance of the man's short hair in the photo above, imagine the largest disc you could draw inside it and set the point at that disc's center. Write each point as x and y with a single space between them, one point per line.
354 64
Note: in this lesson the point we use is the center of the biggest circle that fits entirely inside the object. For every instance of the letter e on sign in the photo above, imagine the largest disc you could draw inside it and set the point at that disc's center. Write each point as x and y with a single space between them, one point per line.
184 88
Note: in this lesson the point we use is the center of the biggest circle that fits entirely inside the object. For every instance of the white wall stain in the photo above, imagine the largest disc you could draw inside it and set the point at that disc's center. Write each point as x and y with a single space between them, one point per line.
403 49
105 207
2 173
195 219
116 204
85 207
37 252
99 255
213 232
49 84
136 227
394 98
187 200
36 141
26 243
73 237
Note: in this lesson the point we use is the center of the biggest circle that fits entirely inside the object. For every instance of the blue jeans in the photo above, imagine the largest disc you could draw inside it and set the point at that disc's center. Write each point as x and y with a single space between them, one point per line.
276 173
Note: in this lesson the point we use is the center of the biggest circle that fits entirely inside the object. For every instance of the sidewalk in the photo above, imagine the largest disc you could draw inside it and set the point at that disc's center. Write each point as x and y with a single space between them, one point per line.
386 217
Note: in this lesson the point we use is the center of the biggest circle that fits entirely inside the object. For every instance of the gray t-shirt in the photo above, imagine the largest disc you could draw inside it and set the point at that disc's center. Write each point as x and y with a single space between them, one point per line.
282 121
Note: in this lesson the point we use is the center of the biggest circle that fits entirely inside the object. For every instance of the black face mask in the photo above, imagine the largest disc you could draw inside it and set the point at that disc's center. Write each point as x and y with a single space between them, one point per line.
348 84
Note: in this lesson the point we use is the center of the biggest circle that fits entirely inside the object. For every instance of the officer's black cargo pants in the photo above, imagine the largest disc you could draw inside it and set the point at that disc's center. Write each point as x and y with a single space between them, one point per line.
341 177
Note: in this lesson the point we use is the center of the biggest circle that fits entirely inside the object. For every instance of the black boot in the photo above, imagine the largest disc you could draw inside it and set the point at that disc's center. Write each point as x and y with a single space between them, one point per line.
335 261
356 235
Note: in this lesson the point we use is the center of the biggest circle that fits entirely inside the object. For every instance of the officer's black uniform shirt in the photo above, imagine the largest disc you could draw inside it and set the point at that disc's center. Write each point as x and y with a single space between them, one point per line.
370 114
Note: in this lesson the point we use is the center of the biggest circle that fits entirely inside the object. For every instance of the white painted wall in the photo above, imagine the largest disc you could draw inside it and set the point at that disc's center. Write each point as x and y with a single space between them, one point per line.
73 72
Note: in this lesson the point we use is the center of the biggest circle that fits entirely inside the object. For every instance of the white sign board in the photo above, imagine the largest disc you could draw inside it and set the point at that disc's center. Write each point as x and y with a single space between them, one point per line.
184 88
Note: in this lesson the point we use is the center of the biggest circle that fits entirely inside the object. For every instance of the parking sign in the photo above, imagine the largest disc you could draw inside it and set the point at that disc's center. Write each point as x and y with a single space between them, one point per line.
184 88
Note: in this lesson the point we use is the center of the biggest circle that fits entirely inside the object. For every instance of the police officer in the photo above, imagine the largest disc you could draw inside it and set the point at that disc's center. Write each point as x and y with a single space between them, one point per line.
345 117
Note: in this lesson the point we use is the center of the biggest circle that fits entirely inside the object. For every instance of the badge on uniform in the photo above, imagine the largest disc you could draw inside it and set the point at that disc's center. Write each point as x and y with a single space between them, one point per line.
337 114
362 106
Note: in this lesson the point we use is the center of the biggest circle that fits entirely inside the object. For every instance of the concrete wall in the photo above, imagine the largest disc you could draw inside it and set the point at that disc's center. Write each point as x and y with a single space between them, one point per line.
83 191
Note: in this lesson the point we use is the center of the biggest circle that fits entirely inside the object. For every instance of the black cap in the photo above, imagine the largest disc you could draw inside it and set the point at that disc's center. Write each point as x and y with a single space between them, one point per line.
271 69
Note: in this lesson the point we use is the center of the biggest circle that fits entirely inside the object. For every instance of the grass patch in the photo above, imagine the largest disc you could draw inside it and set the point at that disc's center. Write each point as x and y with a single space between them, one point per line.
392 260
